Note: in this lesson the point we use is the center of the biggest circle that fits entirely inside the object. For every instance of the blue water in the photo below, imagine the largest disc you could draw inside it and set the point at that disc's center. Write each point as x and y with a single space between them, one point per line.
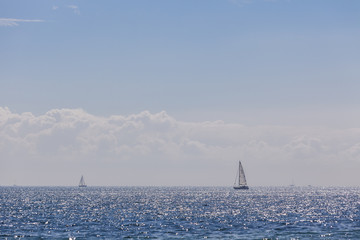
179 213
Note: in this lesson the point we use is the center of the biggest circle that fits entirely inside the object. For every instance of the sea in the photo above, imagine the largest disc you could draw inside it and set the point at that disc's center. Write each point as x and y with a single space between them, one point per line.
179 213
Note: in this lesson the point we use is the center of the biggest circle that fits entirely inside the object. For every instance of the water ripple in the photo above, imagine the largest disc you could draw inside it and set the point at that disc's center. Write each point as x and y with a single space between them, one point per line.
179 212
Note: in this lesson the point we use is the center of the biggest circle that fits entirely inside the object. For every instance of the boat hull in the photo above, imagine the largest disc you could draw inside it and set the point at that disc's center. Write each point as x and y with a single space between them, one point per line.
241 187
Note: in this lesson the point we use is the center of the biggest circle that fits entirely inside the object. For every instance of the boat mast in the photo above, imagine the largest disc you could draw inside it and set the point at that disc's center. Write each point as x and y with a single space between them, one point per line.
237 177
239 173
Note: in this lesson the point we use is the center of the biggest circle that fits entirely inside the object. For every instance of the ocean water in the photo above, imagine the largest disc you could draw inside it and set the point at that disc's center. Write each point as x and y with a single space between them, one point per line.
179 213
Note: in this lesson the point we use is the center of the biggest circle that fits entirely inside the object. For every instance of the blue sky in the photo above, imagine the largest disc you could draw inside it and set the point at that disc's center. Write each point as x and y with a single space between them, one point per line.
252 62
179 56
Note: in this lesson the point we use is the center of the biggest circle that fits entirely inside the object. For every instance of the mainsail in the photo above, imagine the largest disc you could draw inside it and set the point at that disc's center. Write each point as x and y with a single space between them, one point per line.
82 182
240 180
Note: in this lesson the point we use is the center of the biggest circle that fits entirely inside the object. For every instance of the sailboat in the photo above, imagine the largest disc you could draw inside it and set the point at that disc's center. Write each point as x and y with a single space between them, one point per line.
82 182
240 180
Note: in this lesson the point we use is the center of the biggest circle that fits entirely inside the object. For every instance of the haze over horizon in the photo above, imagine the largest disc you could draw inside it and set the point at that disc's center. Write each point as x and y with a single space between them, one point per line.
145 93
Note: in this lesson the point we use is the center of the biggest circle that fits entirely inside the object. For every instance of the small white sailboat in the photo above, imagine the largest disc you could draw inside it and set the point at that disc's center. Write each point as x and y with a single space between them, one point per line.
240 180
82 182
292 184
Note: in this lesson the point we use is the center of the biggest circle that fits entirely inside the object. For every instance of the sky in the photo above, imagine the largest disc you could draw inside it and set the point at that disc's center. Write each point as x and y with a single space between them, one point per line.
175 93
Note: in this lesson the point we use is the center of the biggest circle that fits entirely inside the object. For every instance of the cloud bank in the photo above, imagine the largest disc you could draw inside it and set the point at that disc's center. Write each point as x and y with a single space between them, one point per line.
156 149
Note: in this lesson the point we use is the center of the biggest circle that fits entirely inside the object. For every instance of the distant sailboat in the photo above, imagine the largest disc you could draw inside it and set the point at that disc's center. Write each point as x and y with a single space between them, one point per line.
240 180
292 183
82 182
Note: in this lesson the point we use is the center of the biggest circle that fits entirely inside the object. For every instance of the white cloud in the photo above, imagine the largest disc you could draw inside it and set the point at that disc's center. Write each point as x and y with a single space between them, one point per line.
166 151
11 22
242 3
74 8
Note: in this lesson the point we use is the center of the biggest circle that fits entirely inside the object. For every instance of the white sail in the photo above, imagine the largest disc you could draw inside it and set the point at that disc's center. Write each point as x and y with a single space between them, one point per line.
82 182
240 180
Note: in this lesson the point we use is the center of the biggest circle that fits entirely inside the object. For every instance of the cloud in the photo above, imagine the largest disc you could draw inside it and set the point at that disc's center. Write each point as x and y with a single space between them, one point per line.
157 144
75 9
11 22
242 3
